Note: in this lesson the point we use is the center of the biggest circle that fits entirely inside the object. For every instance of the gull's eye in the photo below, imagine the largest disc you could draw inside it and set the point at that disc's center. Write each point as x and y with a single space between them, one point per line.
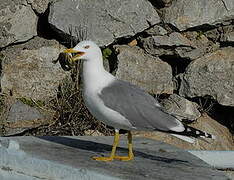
87 47
73 54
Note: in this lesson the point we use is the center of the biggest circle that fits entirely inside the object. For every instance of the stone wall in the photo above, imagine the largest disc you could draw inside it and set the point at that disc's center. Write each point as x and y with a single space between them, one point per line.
182 51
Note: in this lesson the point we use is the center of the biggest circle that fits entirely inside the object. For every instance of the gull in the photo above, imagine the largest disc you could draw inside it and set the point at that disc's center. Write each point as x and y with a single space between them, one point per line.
123 105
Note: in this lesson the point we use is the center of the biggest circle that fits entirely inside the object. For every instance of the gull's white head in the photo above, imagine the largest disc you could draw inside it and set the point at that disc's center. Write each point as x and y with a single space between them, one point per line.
85 50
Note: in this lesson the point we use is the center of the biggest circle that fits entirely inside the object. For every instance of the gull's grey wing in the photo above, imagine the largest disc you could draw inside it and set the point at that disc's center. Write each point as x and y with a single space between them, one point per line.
140 108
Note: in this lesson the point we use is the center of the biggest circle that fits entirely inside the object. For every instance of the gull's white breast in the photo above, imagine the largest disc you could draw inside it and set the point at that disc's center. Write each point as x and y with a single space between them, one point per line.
97 108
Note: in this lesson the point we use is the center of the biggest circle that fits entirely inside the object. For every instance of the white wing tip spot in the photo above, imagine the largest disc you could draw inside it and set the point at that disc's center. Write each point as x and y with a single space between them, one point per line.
179 128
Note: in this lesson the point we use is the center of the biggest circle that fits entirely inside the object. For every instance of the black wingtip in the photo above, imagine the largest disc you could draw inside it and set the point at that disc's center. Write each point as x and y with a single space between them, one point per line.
193 132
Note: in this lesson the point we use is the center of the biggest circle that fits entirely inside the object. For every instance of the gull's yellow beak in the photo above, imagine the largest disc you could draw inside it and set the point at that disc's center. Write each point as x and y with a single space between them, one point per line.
74 54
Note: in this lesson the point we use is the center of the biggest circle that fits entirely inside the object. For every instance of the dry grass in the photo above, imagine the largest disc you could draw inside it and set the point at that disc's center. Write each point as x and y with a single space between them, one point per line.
71 116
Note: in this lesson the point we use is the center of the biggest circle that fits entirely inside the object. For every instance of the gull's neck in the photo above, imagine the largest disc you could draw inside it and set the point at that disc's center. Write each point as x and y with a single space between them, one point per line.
95 77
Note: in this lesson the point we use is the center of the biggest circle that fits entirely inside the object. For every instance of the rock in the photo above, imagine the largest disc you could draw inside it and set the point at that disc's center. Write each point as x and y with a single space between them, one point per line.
156 31
184 14
39 6
188 45
229 37
102 21
166 2
173 39
18 22
213 34
181 107
167 45
22 117
132 43
227 34
149 45
28 70
221 34
211 75
150 73
161 3
224 139
20 112
201 43
70 157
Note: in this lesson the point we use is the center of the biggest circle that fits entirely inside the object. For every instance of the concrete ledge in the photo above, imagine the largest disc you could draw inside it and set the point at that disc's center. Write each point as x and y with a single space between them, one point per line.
68 158
218 159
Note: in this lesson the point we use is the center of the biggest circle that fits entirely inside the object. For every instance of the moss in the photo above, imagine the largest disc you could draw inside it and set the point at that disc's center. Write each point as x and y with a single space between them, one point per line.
31 102
106 53
199 34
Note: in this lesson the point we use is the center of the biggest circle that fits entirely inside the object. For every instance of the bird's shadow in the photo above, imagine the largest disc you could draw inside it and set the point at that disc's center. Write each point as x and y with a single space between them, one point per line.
104 148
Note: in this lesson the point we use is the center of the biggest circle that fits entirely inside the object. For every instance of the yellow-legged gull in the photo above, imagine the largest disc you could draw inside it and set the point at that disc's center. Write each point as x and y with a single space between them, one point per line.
122 105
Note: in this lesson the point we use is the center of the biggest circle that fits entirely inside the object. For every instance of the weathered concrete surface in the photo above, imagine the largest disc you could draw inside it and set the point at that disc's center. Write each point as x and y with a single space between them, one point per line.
103 21
69 158
218 159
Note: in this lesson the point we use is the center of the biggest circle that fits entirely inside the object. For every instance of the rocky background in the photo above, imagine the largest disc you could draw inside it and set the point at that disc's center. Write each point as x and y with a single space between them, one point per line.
181 52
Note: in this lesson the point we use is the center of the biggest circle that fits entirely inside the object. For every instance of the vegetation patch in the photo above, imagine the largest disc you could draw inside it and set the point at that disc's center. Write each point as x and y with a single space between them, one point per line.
106 53
71 116
31 102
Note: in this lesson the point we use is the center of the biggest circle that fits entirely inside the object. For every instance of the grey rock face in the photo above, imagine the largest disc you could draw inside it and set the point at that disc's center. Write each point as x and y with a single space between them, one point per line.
166 45
222 34
161 3
20 112
150 73
184 14
28 70
189 45
173 39
156 30
211 75
18 22
21 117
181 107
103 21
228 34
39 5
201 46
229 37
167 2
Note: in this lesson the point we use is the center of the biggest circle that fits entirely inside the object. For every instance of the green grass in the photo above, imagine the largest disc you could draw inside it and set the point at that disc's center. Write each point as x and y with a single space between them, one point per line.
106 53
31 102
199 35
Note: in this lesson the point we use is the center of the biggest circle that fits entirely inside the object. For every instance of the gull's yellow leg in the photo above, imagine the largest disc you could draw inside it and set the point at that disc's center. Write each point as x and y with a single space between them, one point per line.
114 146
130 151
